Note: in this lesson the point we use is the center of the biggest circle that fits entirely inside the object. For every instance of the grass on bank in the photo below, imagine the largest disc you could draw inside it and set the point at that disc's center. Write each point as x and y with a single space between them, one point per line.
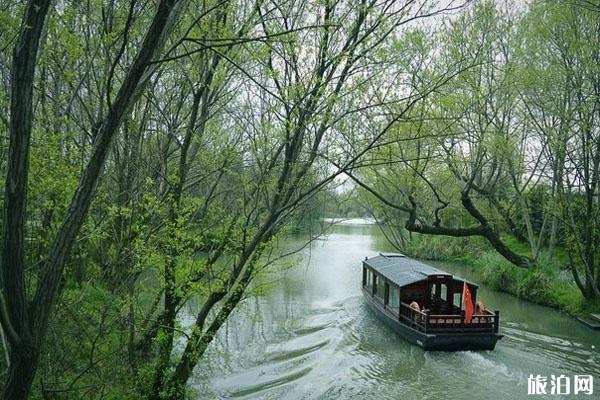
550 283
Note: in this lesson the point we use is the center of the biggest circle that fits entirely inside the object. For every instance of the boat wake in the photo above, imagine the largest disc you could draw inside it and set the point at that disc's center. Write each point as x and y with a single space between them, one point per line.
567 355
310 349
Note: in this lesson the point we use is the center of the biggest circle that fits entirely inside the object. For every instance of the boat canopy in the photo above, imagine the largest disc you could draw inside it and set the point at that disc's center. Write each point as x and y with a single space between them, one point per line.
403 270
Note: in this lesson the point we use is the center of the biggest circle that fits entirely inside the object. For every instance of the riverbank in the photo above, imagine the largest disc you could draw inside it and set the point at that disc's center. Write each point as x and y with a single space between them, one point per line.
549 284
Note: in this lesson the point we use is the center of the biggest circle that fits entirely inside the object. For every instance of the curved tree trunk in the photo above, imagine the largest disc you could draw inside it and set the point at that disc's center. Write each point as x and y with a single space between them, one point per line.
15 308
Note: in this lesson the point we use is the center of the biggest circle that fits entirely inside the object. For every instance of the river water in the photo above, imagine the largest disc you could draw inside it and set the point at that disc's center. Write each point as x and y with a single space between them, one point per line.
306 333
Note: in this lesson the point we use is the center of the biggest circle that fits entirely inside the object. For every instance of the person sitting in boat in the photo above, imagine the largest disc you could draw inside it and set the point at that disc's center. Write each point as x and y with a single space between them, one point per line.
480 308
415 306
480 311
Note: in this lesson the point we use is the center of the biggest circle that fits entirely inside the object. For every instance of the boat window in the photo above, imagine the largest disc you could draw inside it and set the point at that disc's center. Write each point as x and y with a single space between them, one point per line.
444 292
394 297
456 301
386 294
369 278
379 286
439 291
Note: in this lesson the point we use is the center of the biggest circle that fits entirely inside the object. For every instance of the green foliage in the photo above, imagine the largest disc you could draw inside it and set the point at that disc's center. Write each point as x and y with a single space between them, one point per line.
87 334
441 248
544 284
187 205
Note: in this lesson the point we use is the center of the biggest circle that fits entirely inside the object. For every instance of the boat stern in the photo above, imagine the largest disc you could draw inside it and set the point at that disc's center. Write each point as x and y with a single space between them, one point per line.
461 341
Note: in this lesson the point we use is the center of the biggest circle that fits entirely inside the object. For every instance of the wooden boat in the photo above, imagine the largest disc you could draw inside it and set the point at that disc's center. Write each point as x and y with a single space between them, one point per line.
392 282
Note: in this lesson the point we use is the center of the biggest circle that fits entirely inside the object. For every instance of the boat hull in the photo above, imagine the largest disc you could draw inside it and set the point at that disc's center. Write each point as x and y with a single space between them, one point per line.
455 341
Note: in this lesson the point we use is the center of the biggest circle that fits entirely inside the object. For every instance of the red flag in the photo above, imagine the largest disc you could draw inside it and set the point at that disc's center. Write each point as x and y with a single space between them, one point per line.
467 303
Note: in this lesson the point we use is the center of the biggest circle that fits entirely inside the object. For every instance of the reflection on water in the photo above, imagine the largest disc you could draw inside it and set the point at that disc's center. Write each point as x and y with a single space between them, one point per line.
312 337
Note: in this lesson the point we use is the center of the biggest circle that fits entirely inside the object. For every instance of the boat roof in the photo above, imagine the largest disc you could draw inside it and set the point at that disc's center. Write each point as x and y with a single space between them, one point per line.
403 270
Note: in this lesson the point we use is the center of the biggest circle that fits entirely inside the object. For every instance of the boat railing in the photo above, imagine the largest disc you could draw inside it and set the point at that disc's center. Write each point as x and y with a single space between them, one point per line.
413 317
451 323
394 310
427 322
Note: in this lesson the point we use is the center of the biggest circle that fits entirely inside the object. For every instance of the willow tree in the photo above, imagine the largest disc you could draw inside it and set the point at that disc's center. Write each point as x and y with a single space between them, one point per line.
522 122
25 316
184 137
448 169
561 45
303 78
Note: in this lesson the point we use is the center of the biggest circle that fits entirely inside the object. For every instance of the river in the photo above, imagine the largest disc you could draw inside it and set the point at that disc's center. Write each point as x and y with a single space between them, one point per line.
309 335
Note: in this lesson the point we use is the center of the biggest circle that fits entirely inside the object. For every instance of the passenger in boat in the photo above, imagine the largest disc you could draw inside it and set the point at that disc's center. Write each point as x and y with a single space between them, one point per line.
480 308
415 306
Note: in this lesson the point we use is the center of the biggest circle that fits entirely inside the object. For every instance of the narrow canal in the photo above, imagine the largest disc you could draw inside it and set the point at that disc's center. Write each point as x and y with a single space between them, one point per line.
307 334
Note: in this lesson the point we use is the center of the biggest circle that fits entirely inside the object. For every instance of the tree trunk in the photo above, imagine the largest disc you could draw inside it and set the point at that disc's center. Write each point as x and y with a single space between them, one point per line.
552 237
14 306
32 320
20 374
